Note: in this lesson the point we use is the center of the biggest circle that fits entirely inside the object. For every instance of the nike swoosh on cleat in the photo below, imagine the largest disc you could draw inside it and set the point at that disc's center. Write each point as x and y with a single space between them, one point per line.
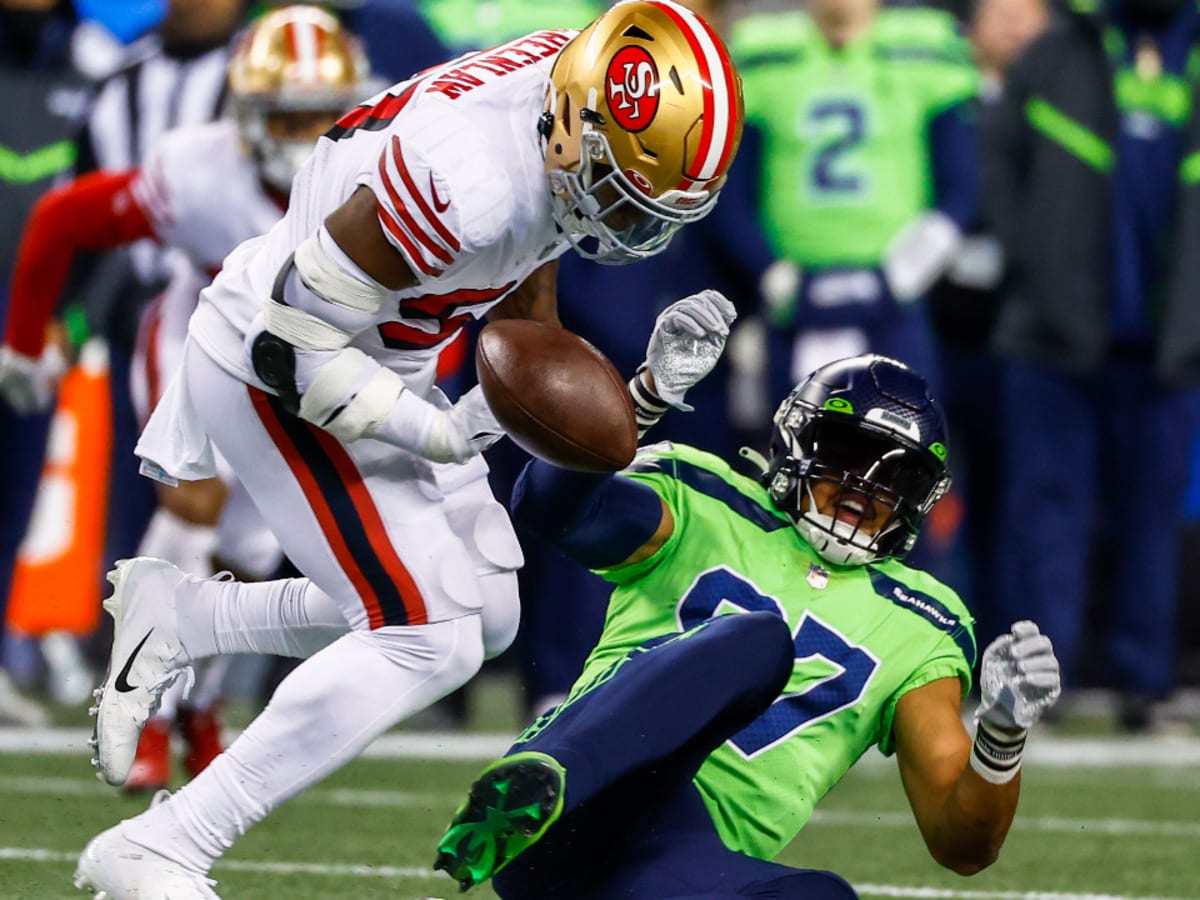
122 684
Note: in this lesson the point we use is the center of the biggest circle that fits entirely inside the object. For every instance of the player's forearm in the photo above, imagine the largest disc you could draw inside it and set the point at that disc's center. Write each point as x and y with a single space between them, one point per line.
535 298
599 520
973 822
95 212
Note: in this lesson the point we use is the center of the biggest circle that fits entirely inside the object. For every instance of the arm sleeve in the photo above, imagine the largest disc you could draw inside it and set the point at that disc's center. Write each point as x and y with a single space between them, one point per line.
597 520
95 212
954 154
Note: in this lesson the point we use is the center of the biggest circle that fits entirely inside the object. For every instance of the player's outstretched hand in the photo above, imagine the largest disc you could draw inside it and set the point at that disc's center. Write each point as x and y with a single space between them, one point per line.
688 339
27 384
1019 678
475 423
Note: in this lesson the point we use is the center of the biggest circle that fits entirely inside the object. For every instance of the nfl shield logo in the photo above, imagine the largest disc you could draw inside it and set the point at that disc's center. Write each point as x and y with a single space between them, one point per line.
817 576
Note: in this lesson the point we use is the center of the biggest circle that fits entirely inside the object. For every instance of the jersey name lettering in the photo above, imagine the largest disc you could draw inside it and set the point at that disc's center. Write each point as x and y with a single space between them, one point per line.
496 63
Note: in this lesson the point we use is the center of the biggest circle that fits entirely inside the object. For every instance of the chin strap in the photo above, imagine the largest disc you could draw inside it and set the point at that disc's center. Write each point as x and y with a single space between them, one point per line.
756 459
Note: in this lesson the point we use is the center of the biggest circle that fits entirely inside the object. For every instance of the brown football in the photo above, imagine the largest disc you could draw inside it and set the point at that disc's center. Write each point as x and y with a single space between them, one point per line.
558 397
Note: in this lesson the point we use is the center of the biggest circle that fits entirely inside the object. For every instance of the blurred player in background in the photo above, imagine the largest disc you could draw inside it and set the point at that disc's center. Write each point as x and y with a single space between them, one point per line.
762 636
310 363
863 157
202 190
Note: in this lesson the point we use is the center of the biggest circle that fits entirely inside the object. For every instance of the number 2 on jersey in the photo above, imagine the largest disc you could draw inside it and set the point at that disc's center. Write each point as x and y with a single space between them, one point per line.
839 126
813 639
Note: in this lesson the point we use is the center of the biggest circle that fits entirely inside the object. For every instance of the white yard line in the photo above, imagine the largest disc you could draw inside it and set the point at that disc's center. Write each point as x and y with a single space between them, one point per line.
53 786
38 854
1049 824
1043 750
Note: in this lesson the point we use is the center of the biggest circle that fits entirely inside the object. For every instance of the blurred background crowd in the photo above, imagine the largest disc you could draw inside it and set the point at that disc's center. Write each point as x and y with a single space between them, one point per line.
1000 193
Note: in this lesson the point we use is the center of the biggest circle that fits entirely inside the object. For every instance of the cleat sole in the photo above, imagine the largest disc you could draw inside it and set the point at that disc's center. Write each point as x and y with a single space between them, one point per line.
509 807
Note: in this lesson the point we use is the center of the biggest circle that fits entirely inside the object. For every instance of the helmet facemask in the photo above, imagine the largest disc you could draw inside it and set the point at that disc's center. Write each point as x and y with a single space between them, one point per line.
279 158
877 486
601 209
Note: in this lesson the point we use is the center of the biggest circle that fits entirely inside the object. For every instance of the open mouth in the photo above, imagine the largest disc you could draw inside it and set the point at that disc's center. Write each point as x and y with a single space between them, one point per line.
854 511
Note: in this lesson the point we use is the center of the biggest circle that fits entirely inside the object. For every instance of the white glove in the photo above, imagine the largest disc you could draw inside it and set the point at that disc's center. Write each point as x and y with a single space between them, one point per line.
439 432
475 422
1019 678
30 385
779 287
688 339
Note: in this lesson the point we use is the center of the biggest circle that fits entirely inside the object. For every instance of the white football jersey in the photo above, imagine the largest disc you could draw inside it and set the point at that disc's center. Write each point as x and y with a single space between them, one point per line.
201 192
455 162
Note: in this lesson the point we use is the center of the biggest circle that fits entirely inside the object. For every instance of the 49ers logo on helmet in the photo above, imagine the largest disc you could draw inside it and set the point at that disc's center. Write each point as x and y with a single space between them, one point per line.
631 88
640 181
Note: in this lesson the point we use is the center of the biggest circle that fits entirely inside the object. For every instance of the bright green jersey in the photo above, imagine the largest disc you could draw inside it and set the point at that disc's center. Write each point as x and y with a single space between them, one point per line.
864 636
845 144
482 23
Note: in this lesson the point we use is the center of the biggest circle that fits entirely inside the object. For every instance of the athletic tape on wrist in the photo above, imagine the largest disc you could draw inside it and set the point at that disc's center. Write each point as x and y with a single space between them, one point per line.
348 399
648 408
995 756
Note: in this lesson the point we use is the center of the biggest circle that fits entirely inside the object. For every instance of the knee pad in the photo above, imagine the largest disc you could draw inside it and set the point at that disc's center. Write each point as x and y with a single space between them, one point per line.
500 614
446 654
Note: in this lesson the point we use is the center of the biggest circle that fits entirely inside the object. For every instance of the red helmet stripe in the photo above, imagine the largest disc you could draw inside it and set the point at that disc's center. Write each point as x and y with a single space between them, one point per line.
720 95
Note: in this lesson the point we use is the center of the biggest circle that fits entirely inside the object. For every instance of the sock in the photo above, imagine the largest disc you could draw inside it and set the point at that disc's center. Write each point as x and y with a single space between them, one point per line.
186 545
210 682
170 701
287 617
321 716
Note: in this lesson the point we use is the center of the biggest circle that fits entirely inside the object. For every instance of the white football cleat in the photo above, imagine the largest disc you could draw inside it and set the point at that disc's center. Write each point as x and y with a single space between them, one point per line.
115 868
144 661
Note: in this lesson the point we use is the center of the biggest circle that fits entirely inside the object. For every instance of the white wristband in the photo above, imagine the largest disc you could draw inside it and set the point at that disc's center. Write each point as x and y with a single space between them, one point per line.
995 756
648 407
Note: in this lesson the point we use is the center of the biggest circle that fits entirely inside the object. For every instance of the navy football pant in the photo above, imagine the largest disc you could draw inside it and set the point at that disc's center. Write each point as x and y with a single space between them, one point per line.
1112 448
633 824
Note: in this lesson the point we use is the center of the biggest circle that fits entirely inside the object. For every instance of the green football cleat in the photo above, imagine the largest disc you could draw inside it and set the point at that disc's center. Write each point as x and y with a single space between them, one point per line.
509 807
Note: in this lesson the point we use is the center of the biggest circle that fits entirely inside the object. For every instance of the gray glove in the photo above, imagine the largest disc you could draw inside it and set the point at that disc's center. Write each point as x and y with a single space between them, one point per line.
688 339
1019 678
30 385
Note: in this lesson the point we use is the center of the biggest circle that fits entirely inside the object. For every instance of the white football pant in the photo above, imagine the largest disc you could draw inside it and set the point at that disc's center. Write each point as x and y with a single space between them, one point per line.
411 583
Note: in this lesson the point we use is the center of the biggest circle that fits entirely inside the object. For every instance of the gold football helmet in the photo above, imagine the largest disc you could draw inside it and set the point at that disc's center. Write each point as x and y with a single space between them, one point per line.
291 74
642 120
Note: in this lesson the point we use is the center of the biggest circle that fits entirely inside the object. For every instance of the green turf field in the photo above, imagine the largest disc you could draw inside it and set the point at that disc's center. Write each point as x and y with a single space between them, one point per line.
1100 818
1083 833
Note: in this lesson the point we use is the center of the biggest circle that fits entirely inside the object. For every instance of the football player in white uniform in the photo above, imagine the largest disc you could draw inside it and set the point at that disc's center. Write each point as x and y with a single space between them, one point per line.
310 364
202 190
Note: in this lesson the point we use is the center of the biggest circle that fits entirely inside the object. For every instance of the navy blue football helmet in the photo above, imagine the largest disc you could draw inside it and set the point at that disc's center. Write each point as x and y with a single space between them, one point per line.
869 426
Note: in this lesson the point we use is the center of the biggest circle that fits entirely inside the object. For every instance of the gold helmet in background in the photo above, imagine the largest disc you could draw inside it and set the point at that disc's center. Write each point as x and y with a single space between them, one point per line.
643 118
292 73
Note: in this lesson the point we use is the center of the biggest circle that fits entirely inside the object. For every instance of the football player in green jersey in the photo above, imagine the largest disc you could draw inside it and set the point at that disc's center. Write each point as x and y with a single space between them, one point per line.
763 634
862 141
